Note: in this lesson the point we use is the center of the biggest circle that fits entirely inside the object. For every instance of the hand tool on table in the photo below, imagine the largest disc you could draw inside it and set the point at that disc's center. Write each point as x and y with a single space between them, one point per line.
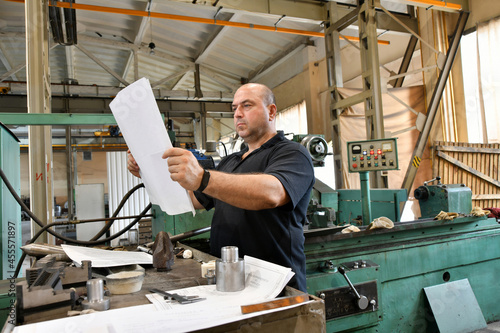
177 297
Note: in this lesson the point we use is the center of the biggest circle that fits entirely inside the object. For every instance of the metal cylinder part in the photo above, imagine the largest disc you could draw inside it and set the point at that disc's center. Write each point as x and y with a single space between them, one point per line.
230 270
95 290
211 279
229 254
211 146
95 296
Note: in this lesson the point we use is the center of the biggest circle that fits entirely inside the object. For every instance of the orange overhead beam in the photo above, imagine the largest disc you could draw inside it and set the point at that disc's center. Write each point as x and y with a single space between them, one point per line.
193 19
440 4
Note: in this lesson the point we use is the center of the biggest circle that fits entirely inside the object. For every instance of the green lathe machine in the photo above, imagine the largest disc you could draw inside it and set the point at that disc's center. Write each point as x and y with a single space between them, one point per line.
391 280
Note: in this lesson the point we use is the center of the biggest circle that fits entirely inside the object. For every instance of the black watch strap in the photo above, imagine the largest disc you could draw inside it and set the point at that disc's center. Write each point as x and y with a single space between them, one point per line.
204 181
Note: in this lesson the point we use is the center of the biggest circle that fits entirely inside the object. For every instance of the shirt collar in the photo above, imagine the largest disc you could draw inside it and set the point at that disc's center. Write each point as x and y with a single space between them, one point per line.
280 136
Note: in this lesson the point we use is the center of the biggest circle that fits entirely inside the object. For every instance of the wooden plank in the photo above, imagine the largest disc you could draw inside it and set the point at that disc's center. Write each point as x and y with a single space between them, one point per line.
474 179
451 148
469 169
486 197
489 158
482 167
483 158
496 174
456 174
469 175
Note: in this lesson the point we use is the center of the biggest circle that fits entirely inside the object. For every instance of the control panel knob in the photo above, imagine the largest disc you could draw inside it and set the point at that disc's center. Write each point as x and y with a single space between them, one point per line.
362 301
373 303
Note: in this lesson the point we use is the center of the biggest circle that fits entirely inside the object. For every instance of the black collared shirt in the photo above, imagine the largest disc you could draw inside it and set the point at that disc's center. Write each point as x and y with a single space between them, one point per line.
275 235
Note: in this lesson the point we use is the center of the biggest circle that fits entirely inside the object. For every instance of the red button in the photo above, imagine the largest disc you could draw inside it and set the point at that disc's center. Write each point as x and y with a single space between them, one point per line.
372 152
354 165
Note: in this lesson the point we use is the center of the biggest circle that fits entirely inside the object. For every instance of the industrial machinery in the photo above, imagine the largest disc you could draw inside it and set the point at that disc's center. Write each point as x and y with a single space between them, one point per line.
316 146
433 199
391 267
50 283
376 280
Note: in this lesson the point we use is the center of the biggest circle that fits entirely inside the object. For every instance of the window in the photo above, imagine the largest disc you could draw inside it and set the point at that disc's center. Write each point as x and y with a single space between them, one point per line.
481 75
293 119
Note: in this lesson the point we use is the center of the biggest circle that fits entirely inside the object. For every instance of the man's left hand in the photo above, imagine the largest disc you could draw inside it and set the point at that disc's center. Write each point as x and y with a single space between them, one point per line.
184 168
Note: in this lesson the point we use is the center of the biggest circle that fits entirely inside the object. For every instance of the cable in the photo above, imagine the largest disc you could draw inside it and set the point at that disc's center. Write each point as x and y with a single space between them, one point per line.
69 240
223 145
107 226
55 234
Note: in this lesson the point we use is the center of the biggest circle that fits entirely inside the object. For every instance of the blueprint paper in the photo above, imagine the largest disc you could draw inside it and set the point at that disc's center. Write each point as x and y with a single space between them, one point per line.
140 122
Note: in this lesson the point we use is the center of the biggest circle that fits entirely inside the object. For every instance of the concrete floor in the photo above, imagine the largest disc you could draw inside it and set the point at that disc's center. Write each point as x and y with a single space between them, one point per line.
492 328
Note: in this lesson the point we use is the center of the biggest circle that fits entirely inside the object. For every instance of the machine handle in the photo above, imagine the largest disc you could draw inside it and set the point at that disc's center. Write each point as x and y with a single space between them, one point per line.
430 181
362 300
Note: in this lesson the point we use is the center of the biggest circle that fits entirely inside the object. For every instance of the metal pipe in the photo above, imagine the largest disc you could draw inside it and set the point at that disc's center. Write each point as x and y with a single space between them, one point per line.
185 235
434 103
110 218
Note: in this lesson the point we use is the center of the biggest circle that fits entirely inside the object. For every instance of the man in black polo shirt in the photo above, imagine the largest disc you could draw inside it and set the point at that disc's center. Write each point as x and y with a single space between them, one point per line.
260 194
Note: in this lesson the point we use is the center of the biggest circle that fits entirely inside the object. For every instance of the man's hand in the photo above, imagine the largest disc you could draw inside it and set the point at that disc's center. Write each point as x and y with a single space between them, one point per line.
184 168
132 165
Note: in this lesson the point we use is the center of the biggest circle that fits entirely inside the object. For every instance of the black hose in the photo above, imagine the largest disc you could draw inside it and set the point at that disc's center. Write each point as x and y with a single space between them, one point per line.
117 210
223 145
69 240
55 234
19 265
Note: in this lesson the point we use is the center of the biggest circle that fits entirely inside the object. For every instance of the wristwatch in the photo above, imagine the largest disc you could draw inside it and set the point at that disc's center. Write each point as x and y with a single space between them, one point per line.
204 181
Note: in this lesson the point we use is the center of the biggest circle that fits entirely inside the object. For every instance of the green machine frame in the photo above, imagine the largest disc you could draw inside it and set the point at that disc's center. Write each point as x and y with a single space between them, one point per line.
402 262
10 210
178 224
10 217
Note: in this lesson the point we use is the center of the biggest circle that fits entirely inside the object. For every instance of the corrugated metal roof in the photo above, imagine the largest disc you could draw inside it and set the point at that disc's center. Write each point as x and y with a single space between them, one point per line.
226 55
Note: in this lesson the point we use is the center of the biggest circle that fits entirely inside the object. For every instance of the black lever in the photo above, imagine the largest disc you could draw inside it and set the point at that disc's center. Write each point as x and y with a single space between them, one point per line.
362 300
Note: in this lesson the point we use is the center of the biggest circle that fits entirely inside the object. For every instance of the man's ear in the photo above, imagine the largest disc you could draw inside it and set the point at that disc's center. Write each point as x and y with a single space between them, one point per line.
272 111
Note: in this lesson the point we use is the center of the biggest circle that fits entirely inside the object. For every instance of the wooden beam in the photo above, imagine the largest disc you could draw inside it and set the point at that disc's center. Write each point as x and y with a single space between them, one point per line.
459 164
468 149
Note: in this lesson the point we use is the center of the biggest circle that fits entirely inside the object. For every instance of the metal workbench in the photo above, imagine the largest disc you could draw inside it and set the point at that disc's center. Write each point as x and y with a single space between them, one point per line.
187 273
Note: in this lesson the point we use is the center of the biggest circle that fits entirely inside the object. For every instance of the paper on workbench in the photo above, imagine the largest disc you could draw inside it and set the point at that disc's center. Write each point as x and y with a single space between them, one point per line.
106 258
140 122
142 318
263 281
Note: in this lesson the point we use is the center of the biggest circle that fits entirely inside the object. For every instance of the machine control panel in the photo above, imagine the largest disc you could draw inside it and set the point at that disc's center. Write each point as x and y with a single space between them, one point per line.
372 155
342 301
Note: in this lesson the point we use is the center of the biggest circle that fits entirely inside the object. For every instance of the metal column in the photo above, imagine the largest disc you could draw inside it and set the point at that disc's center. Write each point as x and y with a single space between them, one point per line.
374 115
39 101
335 80
372 89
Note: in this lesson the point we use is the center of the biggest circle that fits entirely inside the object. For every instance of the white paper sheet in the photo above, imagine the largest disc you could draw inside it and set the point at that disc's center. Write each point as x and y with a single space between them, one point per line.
264 281
140 122
106 258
